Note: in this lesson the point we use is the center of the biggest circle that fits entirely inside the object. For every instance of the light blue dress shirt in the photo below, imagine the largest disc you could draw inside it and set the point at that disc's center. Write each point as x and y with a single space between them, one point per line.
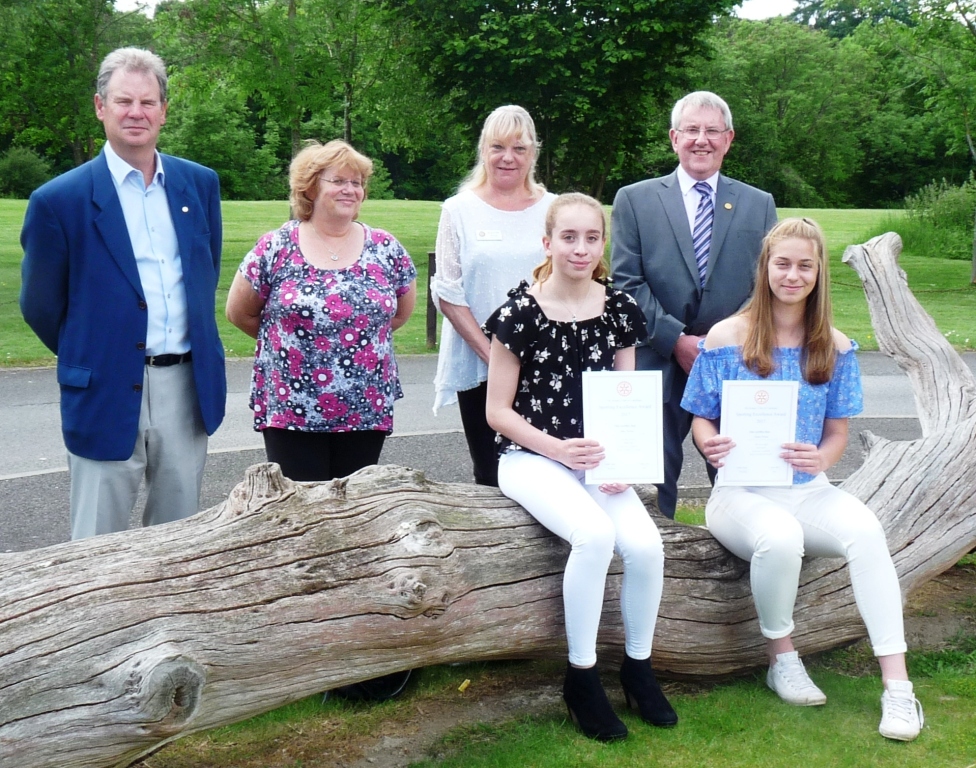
157 252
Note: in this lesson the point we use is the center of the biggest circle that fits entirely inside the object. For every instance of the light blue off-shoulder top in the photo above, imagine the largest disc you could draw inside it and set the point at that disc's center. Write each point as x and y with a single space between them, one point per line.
839 398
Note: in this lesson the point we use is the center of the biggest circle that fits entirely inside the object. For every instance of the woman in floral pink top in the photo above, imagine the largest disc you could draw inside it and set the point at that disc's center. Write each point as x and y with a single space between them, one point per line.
322 295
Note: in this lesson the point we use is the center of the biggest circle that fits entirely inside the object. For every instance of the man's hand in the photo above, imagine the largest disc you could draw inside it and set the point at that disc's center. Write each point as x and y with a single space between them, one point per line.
686 351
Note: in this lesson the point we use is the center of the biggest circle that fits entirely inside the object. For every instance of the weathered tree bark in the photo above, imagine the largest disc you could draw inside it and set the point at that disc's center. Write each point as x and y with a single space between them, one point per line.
113 645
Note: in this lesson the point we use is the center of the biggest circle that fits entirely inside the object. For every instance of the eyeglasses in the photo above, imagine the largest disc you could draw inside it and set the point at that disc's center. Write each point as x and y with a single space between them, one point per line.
343 183
710 133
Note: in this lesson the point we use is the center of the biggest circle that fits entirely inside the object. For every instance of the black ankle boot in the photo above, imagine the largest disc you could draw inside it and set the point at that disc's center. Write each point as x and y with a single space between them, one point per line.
643 693
589 707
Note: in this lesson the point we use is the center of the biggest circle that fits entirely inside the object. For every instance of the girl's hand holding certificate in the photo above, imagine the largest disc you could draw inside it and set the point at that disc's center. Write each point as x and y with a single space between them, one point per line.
716 448
804 457
577 453
583 453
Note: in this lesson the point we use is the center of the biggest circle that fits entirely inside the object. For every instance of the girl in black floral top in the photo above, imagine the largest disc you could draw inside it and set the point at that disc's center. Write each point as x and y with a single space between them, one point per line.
543 338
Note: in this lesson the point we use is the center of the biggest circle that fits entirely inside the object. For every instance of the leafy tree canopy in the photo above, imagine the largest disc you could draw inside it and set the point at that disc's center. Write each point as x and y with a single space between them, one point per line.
583 68
796 99
271 48
839 18
48 66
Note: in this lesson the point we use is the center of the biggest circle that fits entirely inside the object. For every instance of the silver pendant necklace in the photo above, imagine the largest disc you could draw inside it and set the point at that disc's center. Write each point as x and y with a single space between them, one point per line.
579 305
334 255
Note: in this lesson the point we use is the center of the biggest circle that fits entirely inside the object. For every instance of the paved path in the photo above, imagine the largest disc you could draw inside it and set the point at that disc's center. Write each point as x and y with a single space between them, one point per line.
33 473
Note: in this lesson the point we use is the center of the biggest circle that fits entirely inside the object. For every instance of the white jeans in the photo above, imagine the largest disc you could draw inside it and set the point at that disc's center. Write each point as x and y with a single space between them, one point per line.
773 528
595 524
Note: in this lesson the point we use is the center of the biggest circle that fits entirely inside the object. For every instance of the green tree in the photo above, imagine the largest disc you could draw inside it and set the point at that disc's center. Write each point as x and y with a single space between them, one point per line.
942 43
904 142
839 18
317 69
796 96
583 69
21 172
292 59
48 66
271 48
360 39
208 123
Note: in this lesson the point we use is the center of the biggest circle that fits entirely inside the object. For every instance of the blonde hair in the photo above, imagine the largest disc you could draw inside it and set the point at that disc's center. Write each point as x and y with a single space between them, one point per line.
600 272
505 123
303 173
819 351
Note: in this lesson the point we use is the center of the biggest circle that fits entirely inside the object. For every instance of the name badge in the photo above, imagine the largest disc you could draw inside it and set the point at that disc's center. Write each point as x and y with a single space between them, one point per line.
488 234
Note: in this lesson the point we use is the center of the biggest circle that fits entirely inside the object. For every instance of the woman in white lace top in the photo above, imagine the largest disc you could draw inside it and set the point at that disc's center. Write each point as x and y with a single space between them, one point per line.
489 239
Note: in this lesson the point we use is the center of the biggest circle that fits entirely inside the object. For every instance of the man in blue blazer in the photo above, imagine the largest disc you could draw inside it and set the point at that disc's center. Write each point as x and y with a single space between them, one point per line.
121 260
685 283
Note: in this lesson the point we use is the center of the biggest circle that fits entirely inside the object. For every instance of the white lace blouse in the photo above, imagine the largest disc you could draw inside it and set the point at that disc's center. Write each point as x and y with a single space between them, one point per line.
482 253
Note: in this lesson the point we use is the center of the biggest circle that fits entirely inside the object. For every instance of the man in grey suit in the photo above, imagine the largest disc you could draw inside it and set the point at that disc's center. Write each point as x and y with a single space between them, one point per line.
685 247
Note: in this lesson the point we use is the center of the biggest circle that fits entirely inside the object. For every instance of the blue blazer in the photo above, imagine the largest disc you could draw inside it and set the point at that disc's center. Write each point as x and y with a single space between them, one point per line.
653 259
82 296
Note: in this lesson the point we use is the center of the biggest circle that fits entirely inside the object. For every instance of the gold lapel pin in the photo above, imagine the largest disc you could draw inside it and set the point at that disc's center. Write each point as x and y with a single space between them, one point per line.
728 206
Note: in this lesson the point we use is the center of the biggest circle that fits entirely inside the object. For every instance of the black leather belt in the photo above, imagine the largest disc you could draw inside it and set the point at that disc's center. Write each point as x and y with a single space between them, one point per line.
161 361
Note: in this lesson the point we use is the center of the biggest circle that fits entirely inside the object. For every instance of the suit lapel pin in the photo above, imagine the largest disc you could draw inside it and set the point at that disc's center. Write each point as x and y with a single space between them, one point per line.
187 210
728 207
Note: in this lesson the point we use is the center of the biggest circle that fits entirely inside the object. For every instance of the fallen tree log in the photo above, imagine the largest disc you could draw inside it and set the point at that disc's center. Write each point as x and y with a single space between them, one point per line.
111 646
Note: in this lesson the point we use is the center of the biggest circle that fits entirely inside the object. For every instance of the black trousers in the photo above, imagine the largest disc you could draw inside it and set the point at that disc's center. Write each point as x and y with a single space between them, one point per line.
480 437
318 456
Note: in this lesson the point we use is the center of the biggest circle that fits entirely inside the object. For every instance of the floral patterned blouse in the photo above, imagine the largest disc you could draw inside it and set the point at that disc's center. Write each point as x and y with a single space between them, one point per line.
839 398
324 357
554 354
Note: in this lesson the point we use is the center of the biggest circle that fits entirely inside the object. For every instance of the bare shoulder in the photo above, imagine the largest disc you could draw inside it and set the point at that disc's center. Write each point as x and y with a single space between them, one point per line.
841 342
730 332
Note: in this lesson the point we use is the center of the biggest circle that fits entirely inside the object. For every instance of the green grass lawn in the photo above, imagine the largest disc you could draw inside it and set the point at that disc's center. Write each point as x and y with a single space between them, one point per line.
413 223
738 725
941 285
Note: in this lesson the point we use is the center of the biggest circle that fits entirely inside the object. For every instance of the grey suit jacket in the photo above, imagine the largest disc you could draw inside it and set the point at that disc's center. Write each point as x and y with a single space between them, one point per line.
652 259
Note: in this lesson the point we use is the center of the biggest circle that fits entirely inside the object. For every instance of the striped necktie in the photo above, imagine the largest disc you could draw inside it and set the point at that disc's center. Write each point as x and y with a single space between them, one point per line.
701 234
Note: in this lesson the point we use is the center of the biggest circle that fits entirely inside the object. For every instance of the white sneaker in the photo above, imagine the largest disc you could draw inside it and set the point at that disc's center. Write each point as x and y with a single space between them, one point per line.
901 714
790 681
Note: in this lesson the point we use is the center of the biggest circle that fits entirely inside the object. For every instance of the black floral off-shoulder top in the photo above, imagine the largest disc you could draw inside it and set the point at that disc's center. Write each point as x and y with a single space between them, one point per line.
553 355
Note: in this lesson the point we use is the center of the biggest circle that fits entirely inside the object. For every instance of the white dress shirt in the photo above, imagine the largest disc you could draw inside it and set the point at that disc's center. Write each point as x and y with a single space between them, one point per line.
691 196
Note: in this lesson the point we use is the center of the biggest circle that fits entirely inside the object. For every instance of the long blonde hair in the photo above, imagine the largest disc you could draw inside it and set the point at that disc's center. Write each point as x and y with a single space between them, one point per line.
508 122
819 351
600 272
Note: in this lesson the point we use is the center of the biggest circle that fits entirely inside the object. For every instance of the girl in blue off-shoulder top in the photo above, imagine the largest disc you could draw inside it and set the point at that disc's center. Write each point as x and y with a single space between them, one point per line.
784 333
